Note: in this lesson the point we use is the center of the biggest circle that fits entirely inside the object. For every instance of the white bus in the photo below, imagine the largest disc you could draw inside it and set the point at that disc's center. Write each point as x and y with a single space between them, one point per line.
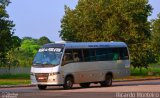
81 63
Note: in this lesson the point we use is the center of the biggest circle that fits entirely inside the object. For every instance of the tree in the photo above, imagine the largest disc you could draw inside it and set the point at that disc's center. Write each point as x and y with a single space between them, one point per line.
4 2
111 20
155 38
30 46
7 38
43 40
28 38
11 58
23 56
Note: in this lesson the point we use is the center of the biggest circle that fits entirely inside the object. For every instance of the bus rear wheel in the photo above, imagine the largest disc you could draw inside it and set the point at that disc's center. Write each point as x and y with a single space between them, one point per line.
68 83
107 82
85 85
42 87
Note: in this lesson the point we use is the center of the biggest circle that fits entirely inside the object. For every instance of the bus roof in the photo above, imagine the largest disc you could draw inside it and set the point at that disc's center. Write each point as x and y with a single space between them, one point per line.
70 45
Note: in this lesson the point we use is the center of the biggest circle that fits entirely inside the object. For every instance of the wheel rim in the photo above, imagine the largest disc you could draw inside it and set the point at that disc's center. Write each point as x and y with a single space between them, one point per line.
109 80
69 83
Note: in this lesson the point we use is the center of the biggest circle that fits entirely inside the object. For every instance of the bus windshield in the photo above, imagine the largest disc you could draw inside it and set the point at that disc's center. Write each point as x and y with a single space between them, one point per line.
48 56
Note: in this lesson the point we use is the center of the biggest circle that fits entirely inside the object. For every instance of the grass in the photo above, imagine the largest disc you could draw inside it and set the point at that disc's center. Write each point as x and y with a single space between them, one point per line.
137 72
14 81
15 76
151 71
137 78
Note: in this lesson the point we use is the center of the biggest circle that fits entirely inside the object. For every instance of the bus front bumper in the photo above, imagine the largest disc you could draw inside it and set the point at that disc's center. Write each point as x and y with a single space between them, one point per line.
46 79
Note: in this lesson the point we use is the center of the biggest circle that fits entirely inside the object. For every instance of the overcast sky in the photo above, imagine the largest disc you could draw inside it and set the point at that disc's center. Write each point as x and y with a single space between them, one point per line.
37 18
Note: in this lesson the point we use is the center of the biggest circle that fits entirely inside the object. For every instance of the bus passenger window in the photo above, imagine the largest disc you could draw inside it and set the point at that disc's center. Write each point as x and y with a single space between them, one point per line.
116 56
115 53
68 57
76 58
77 55
89 55
124 53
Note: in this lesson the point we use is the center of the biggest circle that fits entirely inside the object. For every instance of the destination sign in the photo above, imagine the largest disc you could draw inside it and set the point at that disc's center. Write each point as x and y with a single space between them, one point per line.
50 49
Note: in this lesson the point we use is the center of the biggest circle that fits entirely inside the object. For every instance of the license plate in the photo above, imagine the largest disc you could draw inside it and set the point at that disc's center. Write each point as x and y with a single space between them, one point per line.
41 78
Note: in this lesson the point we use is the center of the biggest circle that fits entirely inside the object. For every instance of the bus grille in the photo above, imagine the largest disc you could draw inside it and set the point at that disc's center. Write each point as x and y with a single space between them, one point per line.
41 77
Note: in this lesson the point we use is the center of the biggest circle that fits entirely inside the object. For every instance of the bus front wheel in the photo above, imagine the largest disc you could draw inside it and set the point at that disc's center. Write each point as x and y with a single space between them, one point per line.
42 87
68 83
107 82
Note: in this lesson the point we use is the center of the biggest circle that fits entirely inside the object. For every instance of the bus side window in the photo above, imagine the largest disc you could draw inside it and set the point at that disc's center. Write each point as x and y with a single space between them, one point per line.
76 58
68 57
124 53
77 55
115 54
89 55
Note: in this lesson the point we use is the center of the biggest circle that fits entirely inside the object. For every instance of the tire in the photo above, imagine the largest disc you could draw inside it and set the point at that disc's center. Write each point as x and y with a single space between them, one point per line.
84 85
42 87
68 83
107 82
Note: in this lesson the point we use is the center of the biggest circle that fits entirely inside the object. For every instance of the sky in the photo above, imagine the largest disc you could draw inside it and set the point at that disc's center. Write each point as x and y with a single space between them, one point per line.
37 18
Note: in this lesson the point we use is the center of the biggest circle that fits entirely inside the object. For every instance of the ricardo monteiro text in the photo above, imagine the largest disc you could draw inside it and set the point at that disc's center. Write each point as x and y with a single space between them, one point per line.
148 95
137 95
126 95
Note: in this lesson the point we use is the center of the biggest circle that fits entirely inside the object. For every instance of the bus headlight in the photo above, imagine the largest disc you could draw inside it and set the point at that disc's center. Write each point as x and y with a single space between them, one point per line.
54 73
51 74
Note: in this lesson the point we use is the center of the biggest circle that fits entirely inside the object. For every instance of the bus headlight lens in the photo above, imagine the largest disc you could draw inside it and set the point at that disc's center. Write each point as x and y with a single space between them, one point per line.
51 74
54 73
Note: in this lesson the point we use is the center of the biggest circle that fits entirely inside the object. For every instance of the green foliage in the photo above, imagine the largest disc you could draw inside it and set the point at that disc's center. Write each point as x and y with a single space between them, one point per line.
139 72
14 81
43 40
155 38
30 46
4 2
150 71
28 38
15 76
26 52
7 39
111 20
23 56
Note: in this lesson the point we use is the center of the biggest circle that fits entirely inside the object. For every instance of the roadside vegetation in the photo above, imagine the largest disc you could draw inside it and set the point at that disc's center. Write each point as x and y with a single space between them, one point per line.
23 55
14 79
150 71
14 82
15 76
